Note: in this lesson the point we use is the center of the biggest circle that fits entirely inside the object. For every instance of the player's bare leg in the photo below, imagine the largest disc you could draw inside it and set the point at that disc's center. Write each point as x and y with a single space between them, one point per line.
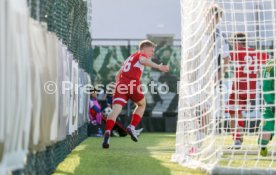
116 110
204 122
140 107
203 129
136 118
237 126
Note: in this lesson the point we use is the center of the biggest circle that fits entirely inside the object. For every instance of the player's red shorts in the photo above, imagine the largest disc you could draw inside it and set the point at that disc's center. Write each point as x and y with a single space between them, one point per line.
238 101
127 89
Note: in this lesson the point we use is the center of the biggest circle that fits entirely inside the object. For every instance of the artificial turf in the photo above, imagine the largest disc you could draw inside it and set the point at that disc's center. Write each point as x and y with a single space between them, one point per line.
149 156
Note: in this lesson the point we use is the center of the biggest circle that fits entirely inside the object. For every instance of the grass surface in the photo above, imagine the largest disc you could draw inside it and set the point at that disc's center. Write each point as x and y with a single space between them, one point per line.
245 159
150 156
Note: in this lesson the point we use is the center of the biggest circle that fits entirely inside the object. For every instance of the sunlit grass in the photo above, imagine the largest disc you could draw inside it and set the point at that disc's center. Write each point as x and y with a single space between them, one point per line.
150 156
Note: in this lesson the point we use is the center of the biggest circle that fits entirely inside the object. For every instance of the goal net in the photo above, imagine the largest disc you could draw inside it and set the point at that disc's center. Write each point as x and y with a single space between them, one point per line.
226 92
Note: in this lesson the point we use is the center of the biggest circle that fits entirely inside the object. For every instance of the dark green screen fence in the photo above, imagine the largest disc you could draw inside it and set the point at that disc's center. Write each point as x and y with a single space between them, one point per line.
68 20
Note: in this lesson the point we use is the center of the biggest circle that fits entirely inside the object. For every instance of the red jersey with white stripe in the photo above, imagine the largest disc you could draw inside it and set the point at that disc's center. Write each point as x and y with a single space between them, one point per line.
247 63
132 68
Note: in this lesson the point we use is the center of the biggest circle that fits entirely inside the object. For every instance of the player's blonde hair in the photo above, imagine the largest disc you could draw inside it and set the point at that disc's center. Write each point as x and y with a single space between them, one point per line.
146 43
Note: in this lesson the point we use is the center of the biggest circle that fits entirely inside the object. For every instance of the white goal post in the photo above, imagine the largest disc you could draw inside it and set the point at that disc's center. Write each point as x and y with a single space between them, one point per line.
226 48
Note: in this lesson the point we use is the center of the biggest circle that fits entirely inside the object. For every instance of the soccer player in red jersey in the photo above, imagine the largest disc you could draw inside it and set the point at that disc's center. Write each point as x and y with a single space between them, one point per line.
128 86
247 62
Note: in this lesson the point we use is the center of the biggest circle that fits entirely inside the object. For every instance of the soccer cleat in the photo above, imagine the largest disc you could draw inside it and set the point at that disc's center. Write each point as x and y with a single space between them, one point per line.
138 131
132 132
106 139
237 145
264 151
115 133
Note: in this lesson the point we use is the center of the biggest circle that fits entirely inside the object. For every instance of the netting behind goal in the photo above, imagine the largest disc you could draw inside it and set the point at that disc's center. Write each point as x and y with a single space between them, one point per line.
221 103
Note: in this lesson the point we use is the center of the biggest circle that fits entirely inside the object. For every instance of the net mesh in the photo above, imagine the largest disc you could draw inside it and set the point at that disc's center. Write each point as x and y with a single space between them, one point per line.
71 21
227 50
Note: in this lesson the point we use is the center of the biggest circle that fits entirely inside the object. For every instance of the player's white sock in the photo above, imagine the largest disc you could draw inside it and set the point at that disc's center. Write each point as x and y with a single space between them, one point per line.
130 125
138 131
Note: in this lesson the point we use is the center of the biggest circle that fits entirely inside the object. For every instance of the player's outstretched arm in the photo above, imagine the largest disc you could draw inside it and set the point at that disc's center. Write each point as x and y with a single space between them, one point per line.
147 62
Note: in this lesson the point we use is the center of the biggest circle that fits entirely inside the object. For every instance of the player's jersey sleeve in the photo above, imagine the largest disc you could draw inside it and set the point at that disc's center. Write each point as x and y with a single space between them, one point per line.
91 104
142 56
263 57
132 68
268 83
233 56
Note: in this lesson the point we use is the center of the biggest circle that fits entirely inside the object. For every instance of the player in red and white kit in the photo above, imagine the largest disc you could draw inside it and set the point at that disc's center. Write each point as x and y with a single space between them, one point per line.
247 64
128 86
